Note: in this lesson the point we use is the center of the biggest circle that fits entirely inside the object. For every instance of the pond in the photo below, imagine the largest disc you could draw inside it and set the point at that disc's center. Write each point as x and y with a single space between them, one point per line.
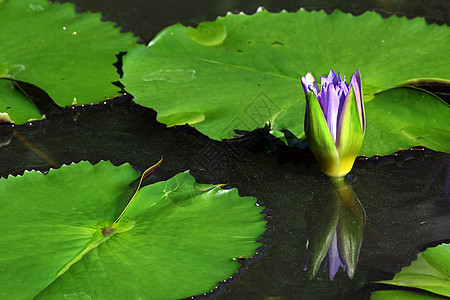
405 195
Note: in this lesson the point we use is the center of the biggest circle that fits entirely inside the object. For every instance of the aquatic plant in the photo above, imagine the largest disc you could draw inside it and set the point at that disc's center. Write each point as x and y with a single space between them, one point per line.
335 121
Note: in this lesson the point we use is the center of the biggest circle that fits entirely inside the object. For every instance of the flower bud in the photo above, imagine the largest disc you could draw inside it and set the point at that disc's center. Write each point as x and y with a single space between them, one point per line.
334 121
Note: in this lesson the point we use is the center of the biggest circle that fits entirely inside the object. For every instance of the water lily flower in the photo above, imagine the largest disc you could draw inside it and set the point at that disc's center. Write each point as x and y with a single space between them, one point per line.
335 122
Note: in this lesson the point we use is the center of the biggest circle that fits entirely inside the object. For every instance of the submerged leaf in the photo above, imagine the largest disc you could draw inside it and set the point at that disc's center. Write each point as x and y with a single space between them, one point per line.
173 240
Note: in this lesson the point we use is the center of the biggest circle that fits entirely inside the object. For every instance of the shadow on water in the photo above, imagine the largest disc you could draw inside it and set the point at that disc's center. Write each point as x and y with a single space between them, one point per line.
405 195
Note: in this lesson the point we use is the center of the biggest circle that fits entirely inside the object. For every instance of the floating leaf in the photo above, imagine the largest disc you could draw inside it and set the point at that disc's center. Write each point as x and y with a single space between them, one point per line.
404 295
434 138
404 117
61 235
68 55
430 272
253 74
15 106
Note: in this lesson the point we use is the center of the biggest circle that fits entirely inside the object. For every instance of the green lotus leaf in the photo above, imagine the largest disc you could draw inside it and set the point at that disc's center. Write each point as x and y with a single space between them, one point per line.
63 237
252 75
15 107
404 295
68 55
405 117
430 272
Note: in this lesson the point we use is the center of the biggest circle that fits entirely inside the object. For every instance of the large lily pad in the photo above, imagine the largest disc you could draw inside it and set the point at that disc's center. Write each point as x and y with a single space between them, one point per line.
220 83
68 55
63 236
430 272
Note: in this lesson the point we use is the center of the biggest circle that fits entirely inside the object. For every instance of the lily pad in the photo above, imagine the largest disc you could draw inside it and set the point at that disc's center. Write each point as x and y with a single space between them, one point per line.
68 55
404 295
63 236
15 107
430 272
253 74
405 117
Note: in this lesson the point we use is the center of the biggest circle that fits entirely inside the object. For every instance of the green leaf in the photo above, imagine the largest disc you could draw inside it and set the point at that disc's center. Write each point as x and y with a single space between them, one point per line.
430 272
174 240
48 219
15 107
253 75
434 138
402 118
68 55
403 295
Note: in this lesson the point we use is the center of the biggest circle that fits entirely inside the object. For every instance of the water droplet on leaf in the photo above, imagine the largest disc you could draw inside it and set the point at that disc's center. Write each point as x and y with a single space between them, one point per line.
208 33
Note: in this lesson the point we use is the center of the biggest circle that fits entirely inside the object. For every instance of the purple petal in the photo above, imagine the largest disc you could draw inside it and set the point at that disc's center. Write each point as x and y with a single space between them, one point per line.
332 96
323 100
341 80
342 94
305 85
332 78
356 84
309 84
334 261
342 88
332 111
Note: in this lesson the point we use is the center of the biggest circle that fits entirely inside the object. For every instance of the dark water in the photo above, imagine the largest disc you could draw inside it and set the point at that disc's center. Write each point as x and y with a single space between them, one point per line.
405 195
